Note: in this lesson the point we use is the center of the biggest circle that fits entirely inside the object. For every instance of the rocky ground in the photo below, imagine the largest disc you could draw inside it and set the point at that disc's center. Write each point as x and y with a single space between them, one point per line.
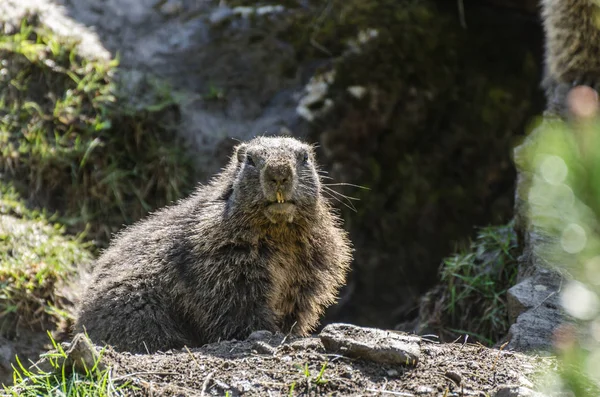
342 360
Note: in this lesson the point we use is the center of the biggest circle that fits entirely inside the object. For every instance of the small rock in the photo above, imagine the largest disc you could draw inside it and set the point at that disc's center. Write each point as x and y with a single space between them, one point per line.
260 335
371 344
221 384
473 365
262 347
392 372
424 390
82 355
515 391
454 377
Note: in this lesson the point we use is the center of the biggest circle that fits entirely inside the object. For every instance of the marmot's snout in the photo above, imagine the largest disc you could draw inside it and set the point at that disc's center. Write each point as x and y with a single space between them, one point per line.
278 181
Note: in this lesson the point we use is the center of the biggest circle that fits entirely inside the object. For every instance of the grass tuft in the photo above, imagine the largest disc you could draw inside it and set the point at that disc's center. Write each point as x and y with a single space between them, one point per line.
318 380
57 380
472 297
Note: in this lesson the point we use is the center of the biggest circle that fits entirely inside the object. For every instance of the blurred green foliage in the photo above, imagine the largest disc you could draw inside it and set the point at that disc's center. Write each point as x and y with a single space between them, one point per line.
561 164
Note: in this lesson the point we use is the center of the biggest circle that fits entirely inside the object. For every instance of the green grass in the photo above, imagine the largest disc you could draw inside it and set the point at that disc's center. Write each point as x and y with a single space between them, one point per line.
59 380
310 380
474 283
75 146
72 142
37 259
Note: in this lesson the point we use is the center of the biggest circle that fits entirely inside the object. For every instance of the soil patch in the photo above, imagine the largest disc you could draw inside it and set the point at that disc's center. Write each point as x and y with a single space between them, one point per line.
279 366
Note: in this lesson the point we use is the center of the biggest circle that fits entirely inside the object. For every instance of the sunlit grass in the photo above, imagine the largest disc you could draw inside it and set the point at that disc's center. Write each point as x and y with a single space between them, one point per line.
86 156
36 261
72 142
60 380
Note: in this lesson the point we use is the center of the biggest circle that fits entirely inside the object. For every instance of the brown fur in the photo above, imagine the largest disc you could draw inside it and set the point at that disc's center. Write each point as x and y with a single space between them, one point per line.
572 30
226 261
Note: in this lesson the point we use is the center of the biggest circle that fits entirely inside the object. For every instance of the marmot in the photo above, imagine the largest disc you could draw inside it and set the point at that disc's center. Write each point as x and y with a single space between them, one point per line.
572 29
257 248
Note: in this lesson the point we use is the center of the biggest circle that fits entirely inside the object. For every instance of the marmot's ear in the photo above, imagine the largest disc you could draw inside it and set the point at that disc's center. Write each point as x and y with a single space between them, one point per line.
239 152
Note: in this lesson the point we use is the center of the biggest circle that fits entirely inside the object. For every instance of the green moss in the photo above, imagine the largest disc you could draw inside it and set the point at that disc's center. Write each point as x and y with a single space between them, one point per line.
71 143
37 260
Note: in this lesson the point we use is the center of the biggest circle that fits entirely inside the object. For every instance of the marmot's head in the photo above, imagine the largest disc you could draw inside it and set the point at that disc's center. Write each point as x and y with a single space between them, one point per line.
275 177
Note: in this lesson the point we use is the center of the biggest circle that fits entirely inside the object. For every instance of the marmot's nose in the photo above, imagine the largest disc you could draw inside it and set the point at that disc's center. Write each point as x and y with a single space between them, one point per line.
277 174
278 181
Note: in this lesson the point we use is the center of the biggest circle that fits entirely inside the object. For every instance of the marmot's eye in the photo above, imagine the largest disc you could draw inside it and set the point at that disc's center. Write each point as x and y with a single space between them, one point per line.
249 160
305 159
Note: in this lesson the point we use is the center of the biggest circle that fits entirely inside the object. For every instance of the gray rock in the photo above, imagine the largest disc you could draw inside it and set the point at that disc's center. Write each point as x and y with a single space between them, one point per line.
201 48
540 288
533 303
533 330
260 335
371 344
515 391
57 19
82 355
262 347
534 311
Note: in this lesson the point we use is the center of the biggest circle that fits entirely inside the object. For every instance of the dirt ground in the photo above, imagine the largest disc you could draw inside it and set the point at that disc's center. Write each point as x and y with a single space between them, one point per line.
275 367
